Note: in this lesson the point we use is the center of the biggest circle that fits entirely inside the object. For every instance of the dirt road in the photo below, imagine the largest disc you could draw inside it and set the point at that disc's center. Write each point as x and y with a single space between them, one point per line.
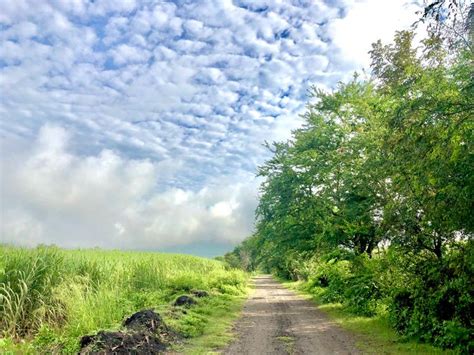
277 321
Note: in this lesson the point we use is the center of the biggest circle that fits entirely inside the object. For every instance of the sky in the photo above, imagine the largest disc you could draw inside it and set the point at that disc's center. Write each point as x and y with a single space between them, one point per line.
140 124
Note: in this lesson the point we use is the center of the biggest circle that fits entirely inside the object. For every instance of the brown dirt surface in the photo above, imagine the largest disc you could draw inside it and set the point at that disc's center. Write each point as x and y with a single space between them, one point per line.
276 320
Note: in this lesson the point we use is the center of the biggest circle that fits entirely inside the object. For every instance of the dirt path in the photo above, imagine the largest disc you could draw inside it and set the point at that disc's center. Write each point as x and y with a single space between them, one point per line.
277 321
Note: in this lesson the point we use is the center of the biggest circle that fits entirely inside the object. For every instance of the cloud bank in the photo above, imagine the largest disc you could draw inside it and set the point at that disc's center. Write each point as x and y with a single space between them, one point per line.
106 200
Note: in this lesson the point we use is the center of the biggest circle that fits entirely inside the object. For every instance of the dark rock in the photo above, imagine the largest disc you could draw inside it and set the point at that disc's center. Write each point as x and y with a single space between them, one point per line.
146 320
200 293
185 301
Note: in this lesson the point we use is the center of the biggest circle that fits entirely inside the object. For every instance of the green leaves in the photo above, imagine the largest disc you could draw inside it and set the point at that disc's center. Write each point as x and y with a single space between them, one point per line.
380 165
387 159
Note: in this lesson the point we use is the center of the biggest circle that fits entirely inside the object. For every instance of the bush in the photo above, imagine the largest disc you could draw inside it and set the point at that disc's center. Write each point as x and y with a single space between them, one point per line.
438 303
363 290
351 282
362 294
331 276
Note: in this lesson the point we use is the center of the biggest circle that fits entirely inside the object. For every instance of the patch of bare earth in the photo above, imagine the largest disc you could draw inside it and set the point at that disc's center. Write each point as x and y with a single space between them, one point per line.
276 320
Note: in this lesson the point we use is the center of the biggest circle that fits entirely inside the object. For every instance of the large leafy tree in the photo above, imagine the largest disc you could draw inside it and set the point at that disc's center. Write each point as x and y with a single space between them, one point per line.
338 157
385 159
383 167
428 143
322 189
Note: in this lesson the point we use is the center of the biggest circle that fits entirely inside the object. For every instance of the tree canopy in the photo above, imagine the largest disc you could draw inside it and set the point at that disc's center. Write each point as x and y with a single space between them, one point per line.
382 166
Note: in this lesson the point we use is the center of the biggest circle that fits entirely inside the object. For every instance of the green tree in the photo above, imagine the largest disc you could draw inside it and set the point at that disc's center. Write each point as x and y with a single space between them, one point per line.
428 143
381 164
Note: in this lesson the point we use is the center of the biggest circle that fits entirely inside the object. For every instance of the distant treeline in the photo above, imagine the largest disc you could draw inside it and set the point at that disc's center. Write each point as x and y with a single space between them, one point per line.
371 201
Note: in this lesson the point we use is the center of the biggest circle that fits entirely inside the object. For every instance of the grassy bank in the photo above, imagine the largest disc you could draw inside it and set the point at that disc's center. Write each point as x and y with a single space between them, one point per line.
50 297
373 334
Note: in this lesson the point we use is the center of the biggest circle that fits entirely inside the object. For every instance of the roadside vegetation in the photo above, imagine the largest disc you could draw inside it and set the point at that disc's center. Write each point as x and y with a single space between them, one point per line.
50 298
373 333
370 203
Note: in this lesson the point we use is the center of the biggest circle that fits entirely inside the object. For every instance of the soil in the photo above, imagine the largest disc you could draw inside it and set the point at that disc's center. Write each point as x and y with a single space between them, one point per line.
275 320
146 320
121 343
144 333
200 293
185 301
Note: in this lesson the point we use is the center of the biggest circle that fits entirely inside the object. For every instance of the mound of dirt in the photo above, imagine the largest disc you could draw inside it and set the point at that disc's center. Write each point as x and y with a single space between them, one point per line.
121 343
145 332
200 293
185 301
146 320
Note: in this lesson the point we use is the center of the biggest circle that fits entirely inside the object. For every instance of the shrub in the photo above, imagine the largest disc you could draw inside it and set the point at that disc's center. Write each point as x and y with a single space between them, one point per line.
361 294
438 303
331 276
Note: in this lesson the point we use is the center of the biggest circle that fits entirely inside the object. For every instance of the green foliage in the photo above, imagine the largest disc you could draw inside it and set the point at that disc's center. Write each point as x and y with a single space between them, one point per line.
353 283
363 293
437 306
52 297
27 282
371 200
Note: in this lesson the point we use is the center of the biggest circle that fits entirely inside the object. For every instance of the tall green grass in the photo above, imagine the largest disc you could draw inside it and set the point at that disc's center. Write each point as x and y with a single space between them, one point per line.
50 297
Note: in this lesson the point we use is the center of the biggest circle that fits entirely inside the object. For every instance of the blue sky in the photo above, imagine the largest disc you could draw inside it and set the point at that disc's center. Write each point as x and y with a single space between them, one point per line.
139 124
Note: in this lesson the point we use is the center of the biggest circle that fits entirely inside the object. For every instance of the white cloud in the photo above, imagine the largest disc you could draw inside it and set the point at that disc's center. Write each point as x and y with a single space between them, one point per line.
366 22
163 109
53 196
124 54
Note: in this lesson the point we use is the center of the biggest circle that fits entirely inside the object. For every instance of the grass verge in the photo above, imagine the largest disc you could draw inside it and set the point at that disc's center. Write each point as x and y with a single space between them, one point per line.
373 334
216 330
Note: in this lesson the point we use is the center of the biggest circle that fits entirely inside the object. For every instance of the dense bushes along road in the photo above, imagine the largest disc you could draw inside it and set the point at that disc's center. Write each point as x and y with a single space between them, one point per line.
371 200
